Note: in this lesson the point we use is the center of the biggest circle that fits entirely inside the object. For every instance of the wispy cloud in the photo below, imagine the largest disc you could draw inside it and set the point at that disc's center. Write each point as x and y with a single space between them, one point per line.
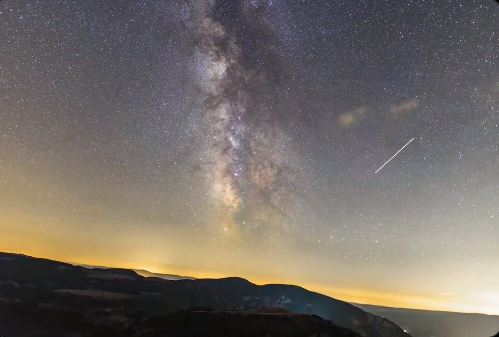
404 106
349 119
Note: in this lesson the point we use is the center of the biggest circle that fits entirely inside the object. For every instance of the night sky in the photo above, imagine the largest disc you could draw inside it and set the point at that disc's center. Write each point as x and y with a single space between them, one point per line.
217 138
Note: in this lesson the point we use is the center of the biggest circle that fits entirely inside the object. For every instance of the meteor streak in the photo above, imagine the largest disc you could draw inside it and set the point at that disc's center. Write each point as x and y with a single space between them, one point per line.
394 155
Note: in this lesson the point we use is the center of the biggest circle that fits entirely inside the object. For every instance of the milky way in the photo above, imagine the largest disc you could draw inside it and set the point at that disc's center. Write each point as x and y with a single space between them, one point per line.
247 149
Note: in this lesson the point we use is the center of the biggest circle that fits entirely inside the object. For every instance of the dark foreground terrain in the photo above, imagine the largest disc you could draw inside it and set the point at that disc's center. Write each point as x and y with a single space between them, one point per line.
40 297
18 319
425 323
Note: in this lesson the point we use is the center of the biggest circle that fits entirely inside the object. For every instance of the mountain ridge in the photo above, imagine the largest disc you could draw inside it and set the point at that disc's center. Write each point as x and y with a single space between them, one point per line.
126 293
424 323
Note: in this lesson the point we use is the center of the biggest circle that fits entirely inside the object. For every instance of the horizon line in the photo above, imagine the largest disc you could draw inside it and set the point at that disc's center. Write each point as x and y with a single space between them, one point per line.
355 303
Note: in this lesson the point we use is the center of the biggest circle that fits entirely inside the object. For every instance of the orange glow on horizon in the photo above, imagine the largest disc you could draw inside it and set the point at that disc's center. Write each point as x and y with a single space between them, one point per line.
24 234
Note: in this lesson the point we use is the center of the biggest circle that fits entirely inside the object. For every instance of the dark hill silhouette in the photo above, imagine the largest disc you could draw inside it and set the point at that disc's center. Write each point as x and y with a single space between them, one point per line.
147 273
199 323
20 319
424 323
127 295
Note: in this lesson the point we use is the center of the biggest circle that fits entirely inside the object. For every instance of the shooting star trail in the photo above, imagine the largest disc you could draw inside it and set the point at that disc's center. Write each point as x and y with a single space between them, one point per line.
394 155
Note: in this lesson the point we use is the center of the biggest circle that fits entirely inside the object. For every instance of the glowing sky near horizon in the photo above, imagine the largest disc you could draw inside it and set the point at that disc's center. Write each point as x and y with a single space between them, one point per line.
218 138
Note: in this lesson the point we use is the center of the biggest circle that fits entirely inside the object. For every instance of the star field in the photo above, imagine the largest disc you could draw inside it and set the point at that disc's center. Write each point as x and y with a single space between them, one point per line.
221 138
